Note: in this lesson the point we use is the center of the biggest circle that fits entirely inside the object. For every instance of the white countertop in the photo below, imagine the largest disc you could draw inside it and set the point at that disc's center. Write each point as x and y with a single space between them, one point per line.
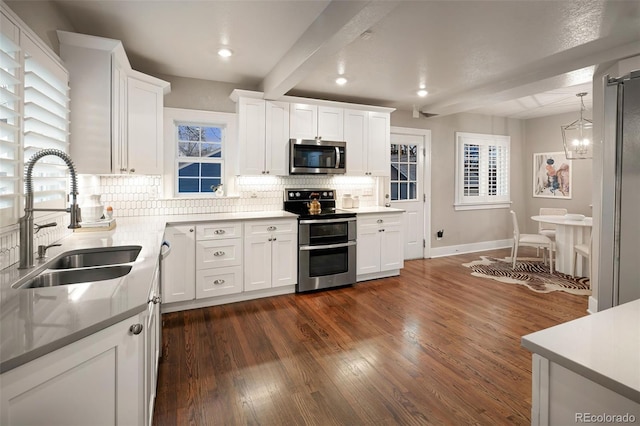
603 347
37 321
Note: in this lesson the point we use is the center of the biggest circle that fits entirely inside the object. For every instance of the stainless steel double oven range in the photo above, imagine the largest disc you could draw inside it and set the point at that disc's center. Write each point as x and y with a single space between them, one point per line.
326 240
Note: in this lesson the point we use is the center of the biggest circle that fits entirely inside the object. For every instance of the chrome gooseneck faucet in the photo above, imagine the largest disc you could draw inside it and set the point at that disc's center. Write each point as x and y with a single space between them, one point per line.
26 221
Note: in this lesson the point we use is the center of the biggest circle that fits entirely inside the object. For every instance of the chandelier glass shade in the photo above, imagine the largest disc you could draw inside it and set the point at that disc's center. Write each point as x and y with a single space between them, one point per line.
577 137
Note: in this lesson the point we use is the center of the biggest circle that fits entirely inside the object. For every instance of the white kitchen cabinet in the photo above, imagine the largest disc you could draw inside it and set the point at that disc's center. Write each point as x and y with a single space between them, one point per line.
116 112
178 270
218 259
144 142
270 254
97 380
316 121
380 244
263 135
368 136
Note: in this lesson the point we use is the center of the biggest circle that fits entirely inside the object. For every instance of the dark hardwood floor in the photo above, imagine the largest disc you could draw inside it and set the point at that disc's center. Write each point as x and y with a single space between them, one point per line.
432 346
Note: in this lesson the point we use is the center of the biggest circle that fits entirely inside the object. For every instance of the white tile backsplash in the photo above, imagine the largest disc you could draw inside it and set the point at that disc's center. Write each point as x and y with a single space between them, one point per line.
140 196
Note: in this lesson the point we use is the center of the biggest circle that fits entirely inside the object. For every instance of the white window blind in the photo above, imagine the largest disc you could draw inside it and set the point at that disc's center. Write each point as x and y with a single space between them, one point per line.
34 115
46 123
10 107
482 175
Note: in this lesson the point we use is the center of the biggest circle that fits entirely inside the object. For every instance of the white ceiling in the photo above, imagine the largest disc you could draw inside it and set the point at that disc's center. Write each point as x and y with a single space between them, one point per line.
510 58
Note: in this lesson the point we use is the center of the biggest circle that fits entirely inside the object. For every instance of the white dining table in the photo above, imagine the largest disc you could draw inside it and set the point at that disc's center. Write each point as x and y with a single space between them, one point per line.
568 233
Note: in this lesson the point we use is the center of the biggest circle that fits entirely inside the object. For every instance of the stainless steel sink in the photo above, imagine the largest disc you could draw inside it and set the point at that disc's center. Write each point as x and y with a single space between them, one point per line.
76 276
96 257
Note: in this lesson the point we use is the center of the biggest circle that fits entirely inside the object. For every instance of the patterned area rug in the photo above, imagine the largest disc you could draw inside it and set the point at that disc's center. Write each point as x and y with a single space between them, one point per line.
531 272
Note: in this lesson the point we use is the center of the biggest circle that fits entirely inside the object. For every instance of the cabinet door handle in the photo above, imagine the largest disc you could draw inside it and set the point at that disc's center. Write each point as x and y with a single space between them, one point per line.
123 170
219 231
219 253
135 329
191 230
132 170
274 239
380 221
219 281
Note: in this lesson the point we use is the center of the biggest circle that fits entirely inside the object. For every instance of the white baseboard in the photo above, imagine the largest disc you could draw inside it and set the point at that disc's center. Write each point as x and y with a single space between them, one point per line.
470 248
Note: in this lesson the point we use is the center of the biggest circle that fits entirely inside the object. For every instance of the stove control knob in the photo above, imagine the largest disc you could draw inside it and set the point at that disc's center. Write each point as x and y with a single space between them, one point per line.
324 194
330 193
297 194
291 195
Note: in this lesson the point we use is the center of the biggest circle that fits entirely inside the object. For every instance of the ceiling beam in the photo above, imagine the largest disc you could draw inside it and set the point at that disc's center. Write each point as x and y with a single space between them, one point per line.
566 68
340 23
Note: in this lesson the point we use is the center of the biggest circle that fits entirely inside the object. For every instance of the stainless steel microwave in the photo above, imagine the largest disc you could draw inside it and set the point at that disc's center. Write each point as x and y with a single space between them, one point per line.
315 156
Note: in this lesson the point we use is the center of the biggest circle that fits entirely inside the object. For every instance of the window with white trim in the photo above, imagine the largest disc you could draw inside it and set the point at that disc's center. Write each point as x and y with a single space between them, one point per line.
482 171
199 163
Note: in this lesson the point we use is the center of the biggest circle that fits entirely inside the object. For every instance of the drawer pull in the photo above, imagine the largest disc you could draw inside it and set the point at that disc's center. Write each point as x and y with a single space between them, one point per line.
219 281
219 253
271 228
219 231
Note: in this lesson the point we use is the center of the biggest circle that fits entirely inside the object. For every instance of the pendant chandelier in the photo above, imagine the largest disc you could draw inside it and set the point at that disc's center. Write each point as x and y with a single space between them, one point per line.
577 136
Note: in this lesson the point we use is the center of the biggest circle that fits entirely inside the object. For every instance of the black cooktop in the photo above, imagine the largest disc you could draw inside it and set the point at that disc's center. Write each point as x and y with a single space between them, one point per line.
297 201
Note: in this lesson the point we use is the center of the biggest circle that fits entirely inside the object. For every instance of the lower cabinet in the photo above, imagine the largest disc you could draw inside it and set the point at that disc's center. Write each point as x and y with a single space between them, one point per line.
178 271
228 261
270 254
380 244
98 380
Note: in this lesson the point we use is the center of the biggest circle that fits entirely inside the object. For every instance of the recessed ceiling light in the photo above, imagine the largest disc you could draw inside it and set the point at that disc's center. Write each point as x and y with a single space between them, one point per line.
225 52
422 93
341 81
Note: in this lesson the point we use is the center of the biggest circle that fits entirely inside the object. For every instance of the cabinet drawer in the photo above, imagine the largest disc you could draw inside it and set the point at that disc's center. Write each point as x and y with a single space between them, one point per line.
218 253
218 282
218 230
252 228
375 220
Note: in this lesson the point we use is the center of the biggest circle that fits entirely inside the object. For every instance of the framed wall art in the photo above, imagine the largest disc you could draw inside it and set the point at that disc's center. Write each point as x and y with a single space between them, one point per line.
552 175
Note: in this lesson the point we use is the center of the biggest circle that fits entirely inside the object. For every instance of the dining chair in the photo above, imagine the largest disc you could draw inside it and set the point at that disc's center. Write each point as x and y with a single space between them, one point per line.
583 250
530 240
549 229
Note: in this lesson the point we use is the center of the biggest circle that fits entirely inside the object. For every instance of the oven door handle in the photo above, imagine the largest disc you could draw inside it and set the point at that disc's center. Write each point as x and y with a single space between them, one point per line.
328 246
312 221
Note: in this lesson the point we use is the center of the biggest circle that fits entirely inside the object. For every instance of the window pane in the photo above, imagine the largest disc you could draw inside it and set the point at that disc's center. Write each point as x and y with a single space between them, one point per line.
207 183
188 149
403 191
189 169
402 170
413 153
188 185
394 172
188 133
394 191
412 190
211 170
211 150
212 134
413 172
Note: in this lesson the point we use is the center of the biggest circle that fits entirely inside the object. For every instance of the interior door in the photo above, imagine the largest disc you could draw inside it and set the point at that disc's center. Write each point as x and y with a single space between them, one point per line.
407 187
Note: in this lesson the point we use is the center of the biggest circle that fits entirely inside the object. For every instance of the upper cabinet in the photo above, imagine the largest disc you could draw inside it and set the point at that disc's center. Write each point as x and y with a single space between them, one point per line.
263 135
116 112
368 136
316 121
265 127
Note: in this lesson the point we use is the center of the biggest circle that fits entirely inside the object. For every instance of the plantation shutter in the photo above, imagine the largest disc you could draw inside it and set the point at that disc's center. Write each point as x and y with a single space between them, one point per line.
46 122
10 105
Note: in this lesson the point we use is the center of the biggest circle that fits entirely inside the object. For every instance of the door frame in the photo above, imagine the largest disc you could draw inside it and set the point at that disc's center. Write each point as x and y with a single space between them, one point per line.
426 182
